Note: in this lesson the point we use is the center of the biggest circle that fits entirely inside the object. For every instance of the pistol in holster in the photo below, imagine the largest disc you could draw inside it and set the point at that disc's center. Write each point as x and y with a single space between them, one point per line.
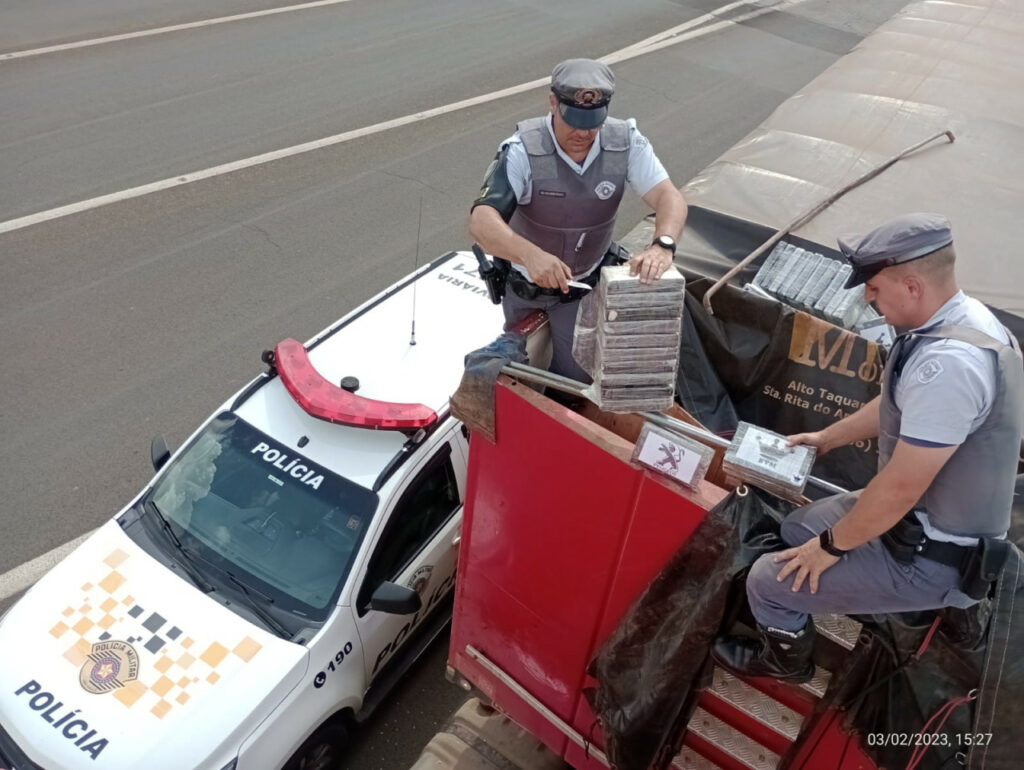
903 540
495 274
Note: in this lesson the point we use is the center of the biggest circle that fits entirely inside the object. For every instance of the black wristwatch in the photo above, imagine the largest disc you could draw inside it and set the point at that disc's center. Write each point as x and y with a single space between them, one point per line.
825 541
666 242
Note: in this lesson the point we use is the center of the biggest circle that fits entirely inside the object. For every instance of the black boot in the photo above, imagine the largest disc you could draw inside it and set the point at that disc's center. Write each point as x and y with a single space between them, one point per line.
780 654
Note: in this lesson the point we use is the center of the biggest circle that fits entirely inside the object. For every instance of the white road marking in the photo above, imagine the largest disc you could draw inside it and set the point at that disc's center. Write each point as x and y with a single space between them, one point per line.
25 575
679 34
165 30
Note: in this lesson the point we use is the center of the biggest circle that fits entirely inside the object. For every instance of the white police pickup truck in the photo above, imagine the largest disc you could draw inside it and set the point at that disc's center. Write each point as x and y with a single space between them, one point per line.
280 570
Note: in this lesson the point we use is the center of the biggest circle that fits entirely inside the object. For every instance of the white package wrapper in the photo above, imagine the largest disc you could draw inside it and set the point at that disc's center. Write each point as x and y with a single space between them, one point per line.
659 313
763 279
782 269
762 458
794 267
803 297
650 326
807 268
829 268
834 286
678 457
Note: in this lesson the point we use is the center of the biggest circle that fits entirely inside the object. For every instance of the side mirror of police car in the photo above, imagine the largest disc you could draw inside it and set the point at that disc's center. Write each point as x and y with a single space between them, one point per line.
395 599
159 454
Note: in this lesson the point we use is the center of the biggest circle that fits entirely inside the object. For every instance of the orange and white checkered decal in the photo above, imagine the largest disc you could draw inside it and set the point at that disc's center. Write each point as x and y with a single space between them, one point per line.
174 666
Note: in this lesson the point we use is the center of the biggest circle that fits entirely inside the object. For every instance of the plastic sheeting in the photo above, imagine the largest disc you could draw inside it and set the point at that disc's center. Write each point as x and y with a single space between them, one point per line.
971 666
762 362
646 668
888 693
934 66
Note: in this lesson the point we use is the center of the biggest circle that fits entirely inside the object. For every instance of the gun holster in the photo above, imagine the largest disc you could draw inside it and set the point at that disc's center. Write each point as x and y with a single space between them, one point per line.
903 538
983 565
496 279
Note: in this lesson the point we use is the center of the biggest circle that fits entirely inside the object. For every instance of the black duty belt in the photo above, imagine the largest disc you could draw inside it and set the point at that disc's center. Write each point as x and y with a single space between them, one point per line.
950 554
907 540
526 289
979 565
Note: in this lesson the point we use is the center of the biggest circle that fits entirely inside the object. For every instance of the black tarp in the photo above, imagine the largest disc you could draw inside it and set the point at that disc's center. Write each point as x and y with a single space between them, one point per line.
763 362
647 667
885 690
888 694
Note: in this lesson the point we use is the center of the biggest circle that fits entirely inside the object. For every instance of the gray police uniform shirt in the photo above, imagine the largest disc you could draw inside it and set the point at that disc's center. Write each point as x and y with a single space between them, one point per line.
948 386
964 377
643 171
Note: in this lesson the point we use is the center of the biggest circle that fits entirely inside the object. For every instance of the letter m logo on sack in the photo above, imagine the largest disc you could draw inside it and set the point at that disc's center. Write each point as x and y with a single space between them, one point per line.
818 343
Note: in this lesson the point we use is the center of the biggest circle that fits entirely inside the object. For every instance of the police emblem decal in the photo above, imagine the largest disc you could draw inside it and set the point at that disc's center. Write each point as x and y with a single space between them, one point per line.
109 666
421 579
605 190
587 97
928 371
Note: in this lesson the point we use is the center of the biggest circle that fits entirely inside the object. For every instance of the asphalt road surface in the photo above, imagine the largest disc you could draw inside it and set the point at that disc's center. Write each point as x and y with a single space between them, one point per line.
154 239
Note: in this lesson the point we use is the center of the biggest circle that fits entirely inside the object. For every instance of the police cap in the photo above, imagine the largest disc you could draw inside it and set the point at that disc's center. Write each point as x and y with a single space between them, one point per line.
583 88
899 240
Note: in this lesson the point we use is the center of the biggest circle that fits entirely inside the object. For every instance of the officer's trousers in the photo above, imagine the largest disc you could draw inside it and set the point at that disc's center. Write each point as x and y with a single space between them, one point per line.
865 581
562 321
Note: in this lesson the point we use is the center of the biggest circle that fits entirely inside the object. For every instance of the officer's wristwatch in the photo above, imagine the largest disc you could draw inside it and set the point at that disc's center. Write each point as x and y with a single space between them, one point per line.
666 242
825 541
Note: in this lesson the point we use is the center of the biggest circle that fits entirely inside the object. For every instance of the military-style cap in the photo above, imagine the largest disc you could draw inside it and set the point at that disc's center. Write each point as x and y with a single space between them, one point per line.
583 88
899 240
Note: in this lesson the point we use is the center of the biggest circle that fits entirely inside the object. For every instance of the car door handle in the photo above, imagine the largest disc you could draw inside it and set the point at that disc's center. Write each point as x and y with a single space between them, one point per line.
456 540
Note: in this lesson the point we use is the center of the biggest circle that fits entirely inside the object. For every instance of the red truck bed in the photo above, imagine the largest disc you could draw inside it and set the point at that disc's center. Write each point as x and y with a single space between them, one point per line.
562 542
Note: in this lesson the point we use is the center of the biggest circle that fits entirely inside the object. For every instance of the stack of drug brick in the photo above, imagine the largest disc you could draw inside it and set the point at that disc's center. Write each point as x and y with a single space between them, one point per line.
627 338
814 283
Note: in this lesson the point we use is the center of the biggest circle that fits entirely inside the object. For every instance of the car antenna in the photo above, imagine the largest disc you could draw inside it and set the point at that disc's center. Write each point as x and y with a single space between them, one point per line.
415 267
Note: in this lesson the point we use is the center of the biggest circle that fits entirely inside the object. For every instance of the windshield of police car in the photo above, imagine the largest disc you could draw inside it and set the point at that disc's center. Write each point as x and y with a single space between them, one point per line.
262 511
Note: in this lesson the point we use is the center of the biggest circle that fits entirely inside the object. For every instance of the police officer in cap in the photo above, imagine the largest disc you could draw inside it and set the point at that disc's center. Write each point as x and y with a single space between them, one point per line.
550 197
948 421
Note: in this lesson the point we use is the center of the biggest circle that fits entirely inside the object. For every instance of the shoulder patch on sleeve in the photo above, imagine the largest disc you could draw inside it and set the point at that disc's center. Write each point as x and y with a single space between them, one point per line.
928 371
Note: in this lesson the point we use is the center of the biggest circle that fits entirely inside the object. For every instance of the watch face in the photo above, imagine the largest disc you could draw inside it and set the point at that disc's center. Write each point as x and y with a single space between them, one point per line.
666 242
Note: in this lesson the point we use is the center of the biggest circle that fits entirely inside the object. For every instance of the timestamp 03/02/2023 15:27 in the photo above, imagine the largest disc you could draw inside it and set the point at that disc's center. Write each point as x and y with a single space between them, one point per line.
929 739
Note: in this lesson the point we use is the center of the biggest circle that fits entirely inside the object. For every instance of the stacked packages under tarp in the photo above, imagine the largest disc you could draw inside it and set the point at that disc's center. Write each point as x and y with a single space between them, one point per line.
814 283
627 338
